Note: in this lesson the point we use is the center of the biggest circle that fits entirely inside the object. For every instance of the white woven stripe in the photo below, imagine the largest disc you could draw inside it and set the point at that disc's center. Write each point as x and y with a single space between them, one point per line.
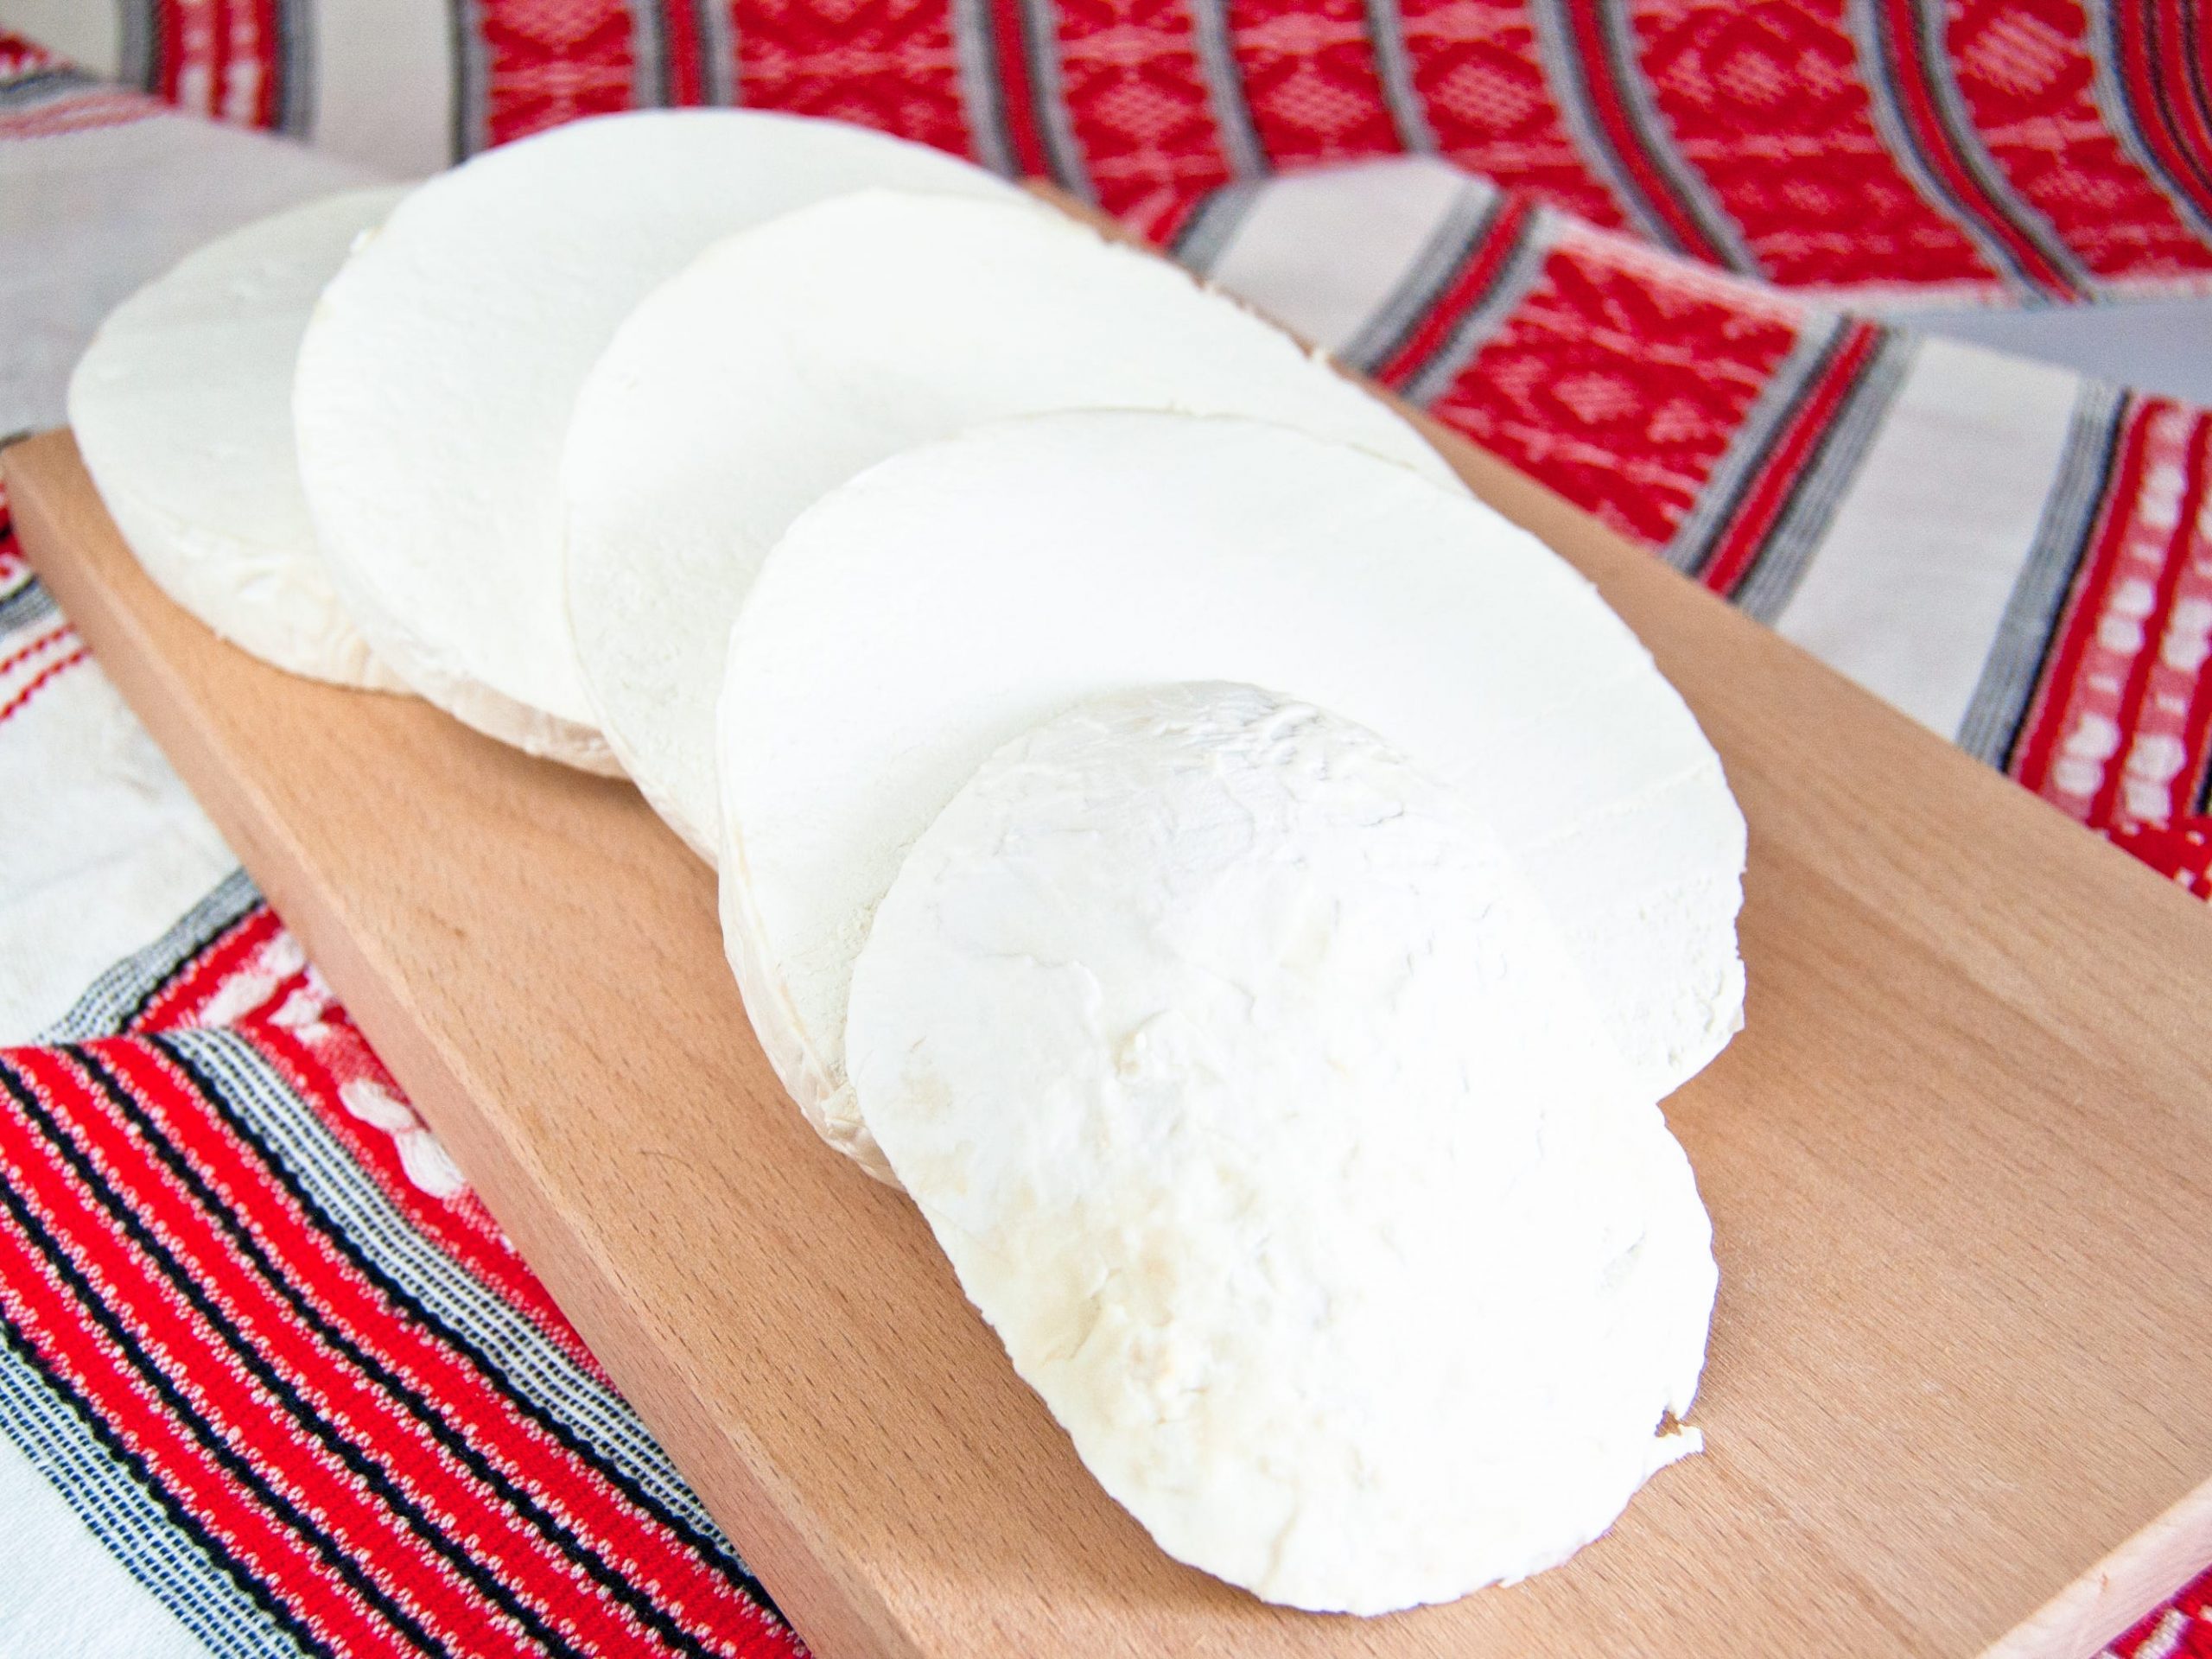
1213 225
1469 216
2015 660
360 53
118 994
1908 590
2162 1642
134 1536
1804 522
1323 252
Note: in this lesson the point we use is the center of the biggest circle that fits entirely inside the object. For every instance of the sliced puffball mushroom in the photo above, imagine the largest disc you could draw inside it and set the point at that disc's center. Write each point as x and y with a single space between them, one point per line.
793 356
952 597
182 411
1258 1106
436 380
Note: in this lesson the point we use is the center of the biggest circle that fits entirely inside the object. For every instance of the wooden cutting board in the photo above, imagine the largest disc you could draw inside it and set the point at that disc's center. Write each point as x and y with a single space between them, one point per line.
1960 1398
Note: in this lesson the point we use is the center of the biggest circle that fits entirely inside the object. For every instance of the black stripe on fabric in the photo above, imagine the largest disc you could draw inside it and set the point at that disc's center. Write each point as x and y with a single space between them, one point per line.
38 86
1210 227
470 96
1567 75
286 1394
540 1367
1466 226
649 68
28 604
1223 76
294 56
117 1000
1752 467
137 40
1040 50
717 51
733 1571
2162 101
2192 65
1517 271
1973 155
1997 713
220 1562
1386 43
417 1407
1883 76
97 1314
1809 504
1616 33
976 48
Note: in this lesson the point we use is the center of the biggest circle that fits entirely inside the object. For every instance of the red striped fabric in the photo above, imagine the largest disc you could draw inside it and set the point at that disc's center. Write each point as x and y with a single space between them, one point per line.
1760 507
1481 81
1309 79
367 1479
163 1268
2027 75
2002 134
1615 388
1478 270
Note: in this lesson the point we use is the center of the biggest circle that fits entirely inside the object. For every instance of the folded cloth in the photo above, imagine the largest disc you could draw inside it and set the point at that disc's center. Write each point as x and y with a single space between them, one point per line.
254 1330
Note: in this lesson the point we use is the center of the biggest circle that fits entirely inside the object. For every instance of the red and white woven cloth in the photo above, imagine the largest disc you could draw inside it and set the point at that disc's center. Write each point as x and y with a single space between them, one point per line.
271 1382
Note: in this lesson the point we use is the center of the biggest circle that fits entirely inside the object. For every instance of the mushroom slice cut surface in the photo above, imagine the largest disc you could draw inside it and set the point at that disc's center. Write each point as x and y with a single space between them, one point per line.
793 356
436 380
952 597
182 411
1258 1107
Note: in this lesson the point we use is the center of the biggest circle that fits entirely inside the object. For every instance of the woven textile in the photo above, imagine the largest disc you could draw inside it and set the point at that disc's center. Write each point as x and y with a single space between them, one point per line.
256 1329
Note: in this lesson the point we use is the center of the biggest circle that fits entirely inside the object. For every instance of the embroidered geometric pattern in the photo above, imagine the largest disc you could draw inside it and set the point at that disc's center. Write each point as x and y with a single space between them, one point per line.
238 1269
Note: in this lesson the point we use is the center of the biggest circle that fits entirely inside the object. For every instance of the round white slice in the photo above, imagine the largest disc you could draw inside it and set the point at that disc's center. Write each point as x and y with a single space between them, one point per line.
436 380
1251 1093
182 409
950 598
793 356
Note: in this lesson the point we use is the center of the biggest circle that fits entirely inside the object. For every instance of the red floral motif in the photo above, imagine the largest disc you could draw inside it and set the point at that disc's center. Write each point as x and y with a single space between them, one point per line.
1619 382
1137 102
1482 85
887 64
1309 80
547 63
1765 99
2025 70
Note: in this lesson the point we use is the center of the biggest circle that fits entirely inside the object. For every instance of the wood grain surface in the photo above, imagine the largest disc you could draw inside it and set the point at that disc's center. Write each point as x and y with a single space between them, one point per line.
1960 1398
